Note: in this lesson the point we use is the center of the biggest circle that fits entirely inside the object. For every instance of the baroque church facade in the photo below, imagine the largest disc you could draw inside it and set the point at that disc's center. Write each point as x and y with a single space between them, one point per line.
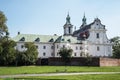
88 40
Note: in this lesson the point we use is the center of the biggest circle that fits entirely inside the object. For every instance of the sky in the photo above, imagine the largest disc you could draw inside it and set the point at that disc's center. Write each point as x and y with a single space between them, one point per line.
47 17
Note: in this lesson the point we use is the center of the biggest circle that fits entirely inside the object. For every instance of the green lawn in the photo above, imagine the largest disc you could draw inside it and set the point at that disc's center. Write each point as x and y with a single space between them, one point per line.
52 69
74 77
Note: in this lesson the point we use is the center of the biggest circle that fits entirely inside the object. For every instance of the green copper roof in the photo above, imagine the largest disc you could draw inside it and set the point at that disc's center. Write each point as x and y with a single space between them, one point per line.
32 37
45 38
66 39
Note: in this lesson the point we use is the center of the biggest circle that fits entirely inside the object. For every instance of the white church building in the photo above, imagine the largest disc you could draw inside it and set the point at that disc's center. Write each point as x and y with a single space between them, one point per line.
88 40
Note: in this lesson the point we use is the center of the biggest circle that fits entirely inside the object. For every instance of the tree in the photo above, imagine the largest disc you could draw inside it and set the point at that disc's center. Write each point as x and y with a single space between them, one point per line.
88 59
3 26
29 56
116 47
7 52
65 54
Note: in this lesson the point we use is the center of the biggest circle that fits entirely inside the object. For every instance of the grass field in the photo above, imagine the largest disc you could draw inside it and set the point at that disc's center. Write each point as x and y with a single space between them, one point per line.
53 69
74 77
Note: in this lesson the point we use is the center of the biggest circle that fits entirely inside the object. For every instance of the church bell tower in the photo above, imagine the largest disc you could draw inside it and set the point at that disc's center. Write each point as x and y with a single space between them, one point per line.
68 27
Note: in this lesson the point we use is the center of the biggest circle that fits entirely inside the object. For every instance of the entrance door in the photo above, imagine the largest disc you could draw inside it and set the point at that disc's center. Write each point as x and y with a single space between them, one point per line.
44 61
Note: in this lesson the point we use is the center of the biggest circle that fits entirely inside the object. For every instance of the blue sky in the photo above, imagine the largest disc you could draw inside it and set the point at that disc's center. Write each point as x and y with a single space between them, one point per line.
48 16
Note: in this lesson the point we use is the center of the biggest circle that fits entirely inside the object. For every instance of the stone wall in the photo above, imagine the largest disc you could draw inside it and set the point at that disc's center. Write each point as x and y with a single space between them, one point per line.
76 61
109 62
80 61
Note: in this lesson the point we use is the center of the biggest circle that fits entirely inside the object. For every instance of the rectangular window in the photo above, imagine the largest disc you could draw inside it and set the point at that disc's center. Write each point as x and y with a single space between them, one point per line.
74 54
76 48
98 48
52 54
44 47
36 46
44 54
57 54
52 47
80 47
63 46
69 30
97 35
22 46
57 46
81 54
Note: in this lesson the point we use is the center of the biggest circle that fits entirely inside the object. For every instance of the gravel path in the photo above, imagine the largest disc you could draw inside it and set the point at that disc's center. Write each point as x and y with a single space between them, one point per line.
56 74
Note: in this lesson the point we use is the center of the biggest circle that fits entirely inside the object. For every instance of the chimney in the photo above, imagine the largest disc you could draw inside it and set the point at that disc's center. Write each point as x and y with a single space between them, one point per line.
18 33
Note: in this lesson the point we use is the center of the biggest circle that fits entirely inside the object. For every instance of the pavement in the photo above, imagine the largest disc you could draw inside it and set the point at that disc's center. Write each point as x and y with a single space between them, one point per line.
55 74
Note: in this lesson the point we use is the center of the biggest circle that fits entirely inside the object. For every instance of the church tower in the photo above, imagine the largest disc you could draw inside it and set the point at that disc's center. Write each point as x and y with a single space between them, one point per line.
83 21
68 27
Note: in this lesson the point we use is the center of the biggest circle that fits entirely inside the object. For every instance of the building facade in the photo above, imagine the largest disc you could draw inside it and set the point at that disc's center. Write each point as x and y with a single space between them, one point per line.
88 40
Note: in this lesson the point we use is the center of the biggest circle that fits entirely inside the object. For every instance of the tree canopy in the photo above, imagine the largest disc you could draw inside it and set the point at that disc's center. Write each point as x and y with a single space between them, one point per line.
65 54
7 52
3 26
116 47
29 56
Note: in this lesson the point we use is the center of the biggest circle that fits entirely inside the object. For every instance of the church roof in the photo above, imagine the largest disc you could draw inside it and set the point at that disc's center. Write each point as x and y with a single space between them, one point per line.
66 39
84 29
33 38
44 38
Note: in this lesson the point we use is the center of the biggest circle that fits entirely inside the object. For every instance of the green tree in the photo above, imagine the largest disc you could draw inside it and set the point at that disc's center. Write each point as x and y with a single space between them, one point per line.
31 53
3 26
7 54
88 59
65 54
27 57
116 47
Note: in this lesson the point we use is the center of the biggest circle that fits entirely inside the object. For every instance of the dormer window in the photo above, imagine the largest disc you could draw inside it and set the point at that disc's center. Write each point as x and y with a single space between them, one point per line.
69 40
22 39
62 39
51 40
37 40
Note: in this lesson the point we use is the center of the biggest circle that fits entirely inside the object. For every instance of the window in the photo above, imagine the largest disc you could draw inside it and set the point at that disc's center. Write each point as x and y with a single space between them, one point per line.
22 46
98 48
74 54
80 47
52 47
62 39
44 54
69 30
97 35
52 54
57 46
36 46
37 39
63 46
81 54
44 47
22 39
109 49
51 40
69 40
57 54
76 48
